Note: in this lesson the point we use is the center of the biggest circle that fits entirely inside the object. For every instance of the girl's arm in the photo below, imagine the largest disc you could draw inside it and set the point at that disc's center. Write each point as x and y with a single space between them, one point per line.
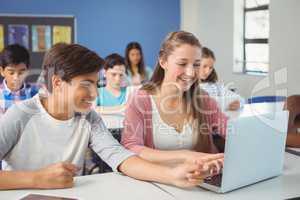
172 157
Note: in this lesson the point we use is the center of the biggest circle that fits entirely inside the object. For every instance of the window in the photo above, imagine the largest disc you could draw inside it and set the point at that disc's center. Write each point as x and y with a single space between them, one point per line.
256 36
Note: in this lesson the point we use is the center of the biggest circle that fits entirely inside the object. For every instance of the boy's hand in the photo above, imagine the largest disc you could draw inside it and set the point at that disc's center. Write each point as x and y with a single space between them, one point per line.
192 174
183 175
58 175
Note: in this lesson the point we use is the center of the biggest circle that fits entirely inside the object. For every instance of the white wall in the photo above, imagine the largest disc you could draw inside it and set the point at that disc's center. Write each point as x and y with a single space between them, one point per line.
212 21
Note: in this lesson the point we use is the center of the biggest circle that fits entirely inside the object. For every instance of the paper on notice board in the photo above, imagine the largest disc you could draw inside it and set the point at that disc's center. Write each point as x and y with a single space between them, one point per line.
1 37
41 38
61 34
18 34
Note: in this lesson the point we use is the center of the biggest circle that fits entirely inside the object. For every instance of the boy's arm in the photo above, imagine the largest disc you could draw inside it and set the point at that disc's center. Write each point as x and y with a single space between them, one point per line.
143 170
10 129
16 180
183 175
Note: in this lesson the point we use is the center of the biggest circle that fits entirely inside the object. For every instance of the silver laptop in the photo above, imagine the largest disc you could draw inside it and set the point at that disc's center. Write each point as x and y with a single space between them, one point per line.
254 151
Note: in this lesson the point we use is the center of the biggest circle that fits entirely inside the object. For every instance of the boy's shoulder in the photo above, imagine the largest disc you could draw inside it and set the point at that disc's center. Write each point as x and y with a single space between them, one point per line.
26 107
22 111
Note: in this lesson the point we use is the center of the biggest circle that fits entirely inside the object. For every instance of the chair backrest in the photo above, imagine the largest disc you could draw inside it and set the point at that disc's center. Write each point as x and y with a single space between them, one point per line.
262 99
292 104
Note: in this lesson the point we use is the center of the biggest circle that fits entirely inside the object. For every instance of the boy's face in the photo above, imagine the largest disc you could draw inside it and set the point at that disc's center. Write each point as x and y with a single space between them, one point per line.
115 76
14 75
79 94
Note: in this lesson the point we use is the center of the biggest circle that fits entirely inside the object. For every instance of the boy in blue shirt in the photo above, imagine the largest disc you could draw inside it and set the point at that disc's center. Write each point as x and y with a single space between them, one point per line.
14 65
113 96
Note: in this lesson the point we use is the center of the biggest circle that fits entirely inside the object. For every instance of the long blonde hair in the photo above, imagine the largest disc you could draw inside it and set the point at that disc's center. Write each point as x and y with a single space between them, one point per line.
191 97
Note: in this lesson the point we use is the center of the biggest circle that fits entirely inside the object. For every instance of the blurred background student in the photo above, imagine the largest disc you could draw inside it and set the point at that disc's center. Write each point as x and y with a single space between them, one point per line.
112 97
207 74
137 71
14 66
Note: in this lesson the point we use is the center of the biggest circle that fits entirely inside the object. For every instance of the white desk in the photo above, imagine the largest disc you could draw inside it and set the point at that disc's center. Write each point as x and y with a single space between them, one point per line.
113 121
279 188
115 186
256 109
107 186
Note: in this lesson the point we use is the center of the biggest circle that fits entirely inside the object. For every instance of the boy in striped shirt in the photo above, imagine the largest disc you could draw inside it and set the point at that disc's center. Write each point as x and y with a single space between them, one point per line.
14 65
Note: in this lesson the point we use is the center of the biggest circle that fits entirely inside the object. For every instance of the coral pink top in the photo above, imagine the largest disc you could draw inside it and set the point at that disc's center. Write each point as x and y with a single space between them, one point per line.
137 132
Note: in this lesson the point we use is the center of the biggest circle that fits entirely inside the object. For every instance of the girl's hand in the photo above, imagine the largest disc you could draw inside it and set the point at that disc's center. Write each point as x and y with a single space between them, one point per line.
235 105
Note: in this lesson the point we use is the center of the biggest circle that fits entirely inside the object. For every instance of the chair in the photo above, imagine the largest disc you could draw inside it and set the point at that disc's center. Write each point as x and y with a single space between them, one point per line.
93 163
266 99
292 104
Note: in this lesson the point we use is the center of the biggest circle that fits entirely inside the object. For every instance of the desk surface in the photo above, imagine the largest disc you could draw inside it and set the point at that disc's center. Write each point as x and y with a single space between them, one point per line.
115 121
101 186
115 186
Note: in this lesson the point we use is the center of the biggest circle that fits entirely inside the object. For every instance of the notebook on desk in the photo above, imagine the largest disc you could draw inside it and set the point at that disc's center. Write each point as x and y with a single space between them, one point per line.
254 151
44 197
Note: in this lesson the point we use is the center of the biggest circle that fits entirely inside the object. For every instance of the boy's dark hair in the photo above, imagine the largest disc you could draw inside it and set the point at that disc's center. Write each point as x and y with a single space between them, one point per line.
14 54
112 60
69 61
213 77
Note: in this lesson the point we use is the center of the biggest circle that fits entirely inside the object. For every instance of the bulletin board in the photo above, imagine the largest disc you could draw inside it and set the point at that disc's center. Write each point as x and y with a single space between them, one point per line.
37 33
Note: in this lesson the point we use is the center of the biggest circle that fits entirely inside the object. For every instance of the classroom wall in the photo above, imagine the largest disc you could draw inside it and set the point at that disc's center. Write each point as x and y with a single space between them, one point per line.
108 25
213 22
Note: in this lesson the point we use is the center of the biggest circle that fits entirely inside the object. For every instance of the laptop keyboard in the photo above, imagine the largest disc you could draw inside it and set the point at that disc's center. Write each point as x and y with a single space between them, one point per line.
215 180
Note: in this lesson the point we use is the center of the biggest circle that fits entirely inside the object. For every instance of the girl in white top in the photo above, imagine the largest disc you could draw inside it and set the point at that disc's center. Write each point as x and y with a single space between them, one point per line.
168 120
166 137
209 82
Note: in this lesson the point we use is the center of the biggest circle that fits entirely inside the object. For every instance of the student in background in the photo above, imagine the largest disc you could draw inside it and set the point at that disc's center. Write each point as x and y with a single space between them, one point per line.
209 82
14 66
137 71
69 126
169 120
112 97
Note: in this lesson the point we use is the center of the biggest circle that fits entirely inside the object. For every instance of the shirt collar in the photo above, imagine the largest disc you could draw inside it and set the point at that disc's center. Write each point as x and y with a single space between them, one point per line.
8 91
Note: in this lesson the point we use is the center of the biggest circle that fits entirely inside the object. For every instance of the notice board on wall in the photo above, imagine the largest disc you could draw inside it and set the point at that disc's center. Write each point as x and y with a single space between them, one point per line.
37 33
